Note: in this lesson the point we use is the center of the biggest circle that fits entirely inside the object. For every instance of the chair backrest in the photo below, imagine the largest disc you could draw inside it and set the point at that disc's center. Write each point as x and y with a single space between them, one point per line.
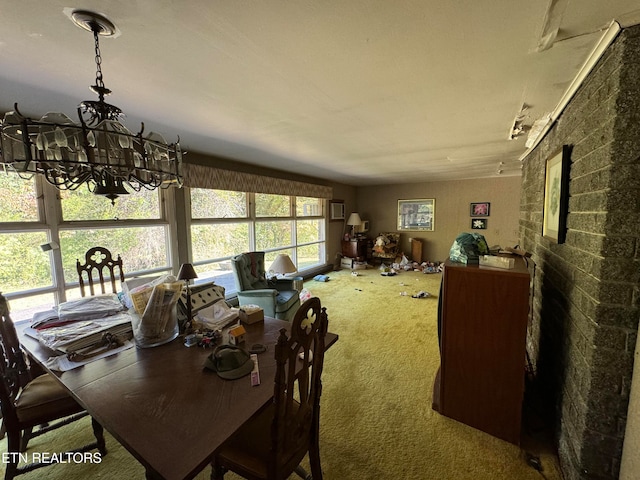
97 260
249 272
299 363
13 366
386 244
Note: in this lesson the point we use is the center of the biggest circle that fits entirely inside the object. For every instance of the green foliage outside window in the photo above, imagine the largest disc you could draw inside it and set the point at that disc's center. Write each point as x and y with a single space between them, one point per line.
268 205
81 204
141 248
18 201
23 264
219 241
218 204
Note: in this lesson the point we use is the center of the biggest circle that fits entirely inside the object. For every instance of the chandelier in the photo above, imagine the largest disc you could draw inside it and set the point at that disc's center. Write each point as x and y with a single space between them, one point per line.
98 150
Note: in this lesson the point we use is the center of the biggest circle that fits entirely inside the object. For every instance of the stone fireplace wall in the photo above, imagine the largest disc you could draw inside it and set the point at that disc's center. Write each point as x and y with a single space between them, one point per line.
586 293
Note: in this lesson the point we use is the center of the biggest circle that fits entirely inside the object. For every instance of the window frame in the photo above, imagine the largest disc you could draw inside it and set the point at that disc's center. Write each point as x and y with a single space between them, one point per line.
253 220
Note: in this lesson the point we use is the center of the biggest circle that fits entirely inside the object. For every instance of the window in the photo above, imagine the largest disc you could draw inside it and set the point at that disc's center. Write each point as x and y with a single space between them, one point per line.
43 231
83 205
23 263
226 223
34 278
308 207
218 204
18 198
268 205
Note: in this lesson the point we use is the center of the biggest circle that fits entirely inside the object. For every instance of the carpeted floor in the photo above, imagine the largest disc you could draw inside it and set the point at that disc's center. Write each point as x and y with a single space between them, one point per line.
376 418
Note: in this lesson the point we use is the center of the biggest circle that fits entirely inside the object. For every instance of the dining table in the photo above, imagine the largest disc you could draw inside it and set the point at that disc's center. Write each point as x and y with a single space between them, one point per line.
162 405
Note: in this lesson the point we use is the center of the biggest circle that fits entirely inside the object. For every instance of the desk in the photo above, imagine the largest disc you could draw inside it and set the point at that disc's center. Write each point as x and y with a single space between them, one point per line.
162 406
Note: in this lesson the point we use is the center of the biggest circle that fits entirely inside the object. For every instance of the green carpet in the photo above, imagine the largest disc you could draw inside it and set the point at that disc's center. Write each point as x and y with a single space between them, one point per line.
376 417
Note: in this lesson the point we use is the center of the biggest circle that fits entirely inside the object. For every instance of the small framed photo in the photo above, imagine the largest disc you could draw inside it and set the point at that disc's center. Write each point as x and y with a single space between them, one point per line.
478 224
556 195
480 209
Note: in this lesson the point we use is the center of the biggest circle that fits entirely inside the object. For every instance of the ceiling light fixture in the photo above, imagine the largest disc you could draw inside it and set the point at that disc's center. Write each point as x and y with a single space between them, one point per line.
519 128
99 150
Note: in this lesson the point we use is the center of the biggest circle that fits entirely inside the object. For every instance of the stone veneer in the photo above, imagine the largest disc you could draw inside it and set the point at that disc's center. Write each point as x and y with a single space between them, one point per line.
586 296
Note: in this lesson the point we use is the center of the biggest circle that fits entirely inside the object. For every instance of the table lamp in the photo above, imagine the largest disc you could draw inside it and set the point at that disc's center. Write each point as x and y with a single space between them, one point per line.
354 219
282 265
187 273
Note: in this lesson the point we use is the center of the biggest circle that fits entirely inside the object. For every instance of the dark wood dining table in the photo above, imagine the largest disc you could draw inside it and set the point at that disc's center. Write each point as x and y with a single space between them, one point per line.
162 405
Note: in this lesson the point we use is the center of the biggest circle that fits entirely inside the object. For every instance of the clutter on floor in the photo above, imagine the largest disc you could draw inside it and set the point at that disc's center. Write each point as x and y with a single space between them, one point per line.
401 263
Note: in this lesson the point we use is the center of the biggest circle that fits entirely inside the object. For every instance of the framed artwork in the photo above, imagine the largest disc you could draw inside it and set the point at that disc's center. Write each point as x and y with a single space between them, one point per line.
478 224
416 214
480 209
556 195
336 210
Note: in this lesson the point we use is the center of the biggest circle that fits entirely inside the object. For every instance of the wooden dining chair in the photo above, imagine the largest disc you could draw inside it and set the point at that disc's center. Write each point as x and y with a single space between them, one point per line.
97 260
32 405
272 444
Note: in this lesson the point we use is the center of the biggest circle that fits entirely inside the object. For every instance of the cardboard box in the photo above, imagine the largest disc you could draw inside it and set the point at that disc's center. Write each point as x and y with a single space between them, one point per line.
250 315
346 262
497 262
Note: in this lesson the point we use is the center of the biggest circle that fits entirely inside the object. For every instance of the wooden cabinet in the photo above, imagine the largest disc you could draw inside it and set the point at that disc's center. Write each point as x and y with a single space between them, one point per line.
355 248
416 250
482 330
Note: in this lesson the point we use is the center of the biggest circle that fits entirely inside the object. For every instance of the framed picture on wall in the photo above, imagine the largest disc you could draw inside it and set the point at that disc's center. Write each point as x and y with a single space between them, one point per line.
480 209
556 195
478 224
336 210
416 214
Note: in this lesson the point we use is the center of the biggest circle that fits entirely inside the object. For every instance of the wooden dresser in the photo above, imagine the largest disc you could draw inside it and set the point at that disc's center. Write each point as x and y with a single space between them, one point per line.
482 330
355 248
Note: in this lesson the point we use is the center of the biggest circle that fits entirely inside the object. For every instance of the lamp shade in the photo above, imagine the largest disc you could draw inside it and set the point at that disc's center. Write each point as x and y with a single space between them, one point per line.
282 264
354 219
187 272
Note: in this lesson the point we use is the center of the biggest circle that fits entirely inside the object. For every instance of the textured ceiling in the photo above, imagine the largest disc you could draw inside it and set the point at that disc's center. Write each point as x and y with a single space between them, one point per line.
360 91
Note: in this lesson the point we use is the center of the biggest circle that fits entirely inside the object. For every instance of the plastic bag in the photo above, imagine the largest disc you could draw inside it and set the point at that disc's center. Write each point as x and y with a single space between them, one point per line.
467 248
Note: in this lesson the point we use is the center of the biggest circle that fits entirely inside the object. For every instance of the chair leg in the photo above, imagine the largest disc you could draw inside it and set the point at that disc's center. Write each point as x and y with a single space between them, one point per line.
98 432
25 437
217 471
314 461
13 444
302 473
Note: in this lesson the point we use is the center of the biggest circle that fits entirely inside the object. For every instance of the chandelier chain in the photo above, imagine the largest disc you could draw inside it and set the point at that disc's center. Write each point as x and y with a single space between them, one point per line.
99 80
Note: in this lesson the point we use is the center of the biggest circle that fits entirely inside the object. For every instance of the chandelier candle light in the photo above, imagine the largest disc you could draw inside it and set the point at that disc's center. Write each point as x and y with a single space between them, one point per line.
99 150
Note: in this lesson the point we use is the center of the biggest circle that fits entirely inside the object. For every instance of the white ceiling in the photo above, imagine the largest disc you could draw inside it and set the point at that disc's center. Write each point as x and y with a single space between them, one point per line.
363 92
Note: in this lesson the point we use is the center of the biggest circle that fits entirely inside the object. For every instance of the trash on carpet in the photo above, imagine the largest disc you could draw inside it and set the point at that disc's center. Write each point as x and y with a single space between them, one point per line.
421 294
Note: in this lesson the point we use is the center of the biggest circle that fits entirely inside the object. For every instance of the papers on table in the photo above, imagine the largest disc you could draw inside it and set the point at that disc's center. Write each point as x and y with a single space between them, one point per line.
217 316
86 308
155 304
61 363
81 334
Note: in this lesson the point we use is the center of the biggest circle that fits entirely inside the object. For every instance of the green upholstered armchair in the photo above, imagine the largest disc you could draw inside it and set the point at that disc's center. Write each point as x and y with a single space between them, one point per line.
277 298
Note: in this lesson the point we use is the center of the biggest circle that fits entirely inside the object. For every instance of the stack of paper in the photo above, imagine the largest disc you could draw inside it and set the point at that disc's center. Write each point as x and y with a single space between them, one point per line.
81 334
